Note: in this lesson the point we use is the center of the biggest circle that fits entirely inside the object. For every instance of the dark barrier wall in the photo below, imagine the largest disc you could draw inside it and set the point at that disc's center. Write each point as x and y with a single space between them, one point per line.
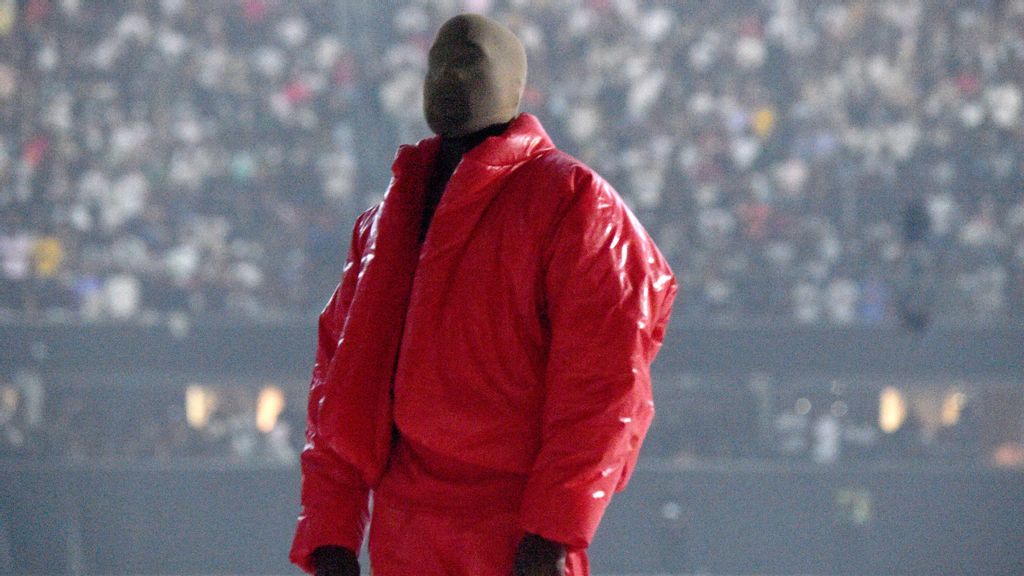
817 520
725 520
199 519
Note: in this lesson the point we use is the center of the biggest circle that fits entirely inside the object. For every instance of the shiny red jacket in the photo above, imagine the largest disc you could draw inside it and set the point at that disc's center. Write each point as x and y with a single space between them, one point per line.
524 329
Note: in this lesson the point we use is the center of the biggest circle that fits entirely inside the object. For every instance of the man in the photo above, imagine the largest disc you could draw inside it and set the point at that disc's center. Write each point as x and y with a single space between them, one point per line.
483 367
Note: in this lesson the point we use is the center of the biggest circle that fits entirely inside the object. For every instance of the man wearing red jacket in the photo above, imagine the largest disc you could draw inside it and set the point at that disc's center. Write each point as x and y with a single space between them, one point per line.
483 366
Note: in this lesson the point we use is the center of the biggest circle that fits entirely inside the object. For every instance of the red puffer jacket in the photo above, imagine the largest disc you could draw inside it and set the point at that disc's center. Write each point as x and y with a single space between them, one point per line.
524 329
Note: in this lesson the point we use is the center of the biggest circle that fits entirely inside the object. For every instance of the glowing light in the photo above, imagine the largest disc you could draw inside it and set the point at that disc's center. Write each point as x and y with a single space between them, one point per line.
199 404
1008 455
892 410
598 495
268 408
952 405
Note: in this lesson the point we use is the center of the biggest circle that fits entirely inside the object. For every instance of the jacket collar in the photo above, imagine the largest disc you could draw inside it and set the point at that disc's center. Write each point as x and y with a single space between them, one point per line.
524 138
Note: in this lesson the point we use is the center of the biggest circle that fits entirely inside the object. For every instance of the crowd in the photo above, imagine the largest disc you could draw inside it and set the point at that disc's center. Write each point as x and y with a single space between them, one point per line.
813 162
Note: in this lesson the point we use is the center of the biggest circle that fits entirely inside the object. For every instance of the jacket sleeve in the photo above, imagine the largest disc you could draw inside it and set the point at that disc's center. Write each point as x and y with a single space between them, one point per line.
608 298
334 497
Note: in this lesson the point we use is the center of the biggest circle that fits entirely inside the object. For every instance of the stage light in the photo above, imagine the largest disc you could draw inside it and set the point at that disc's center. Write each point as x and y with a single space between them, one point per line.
268 408
952 405
199 404
892 410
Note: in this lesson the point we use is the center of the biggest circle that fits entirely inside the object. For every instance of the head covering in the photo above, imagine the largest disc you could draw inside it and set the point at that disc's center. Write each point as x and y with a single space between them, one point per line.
475 77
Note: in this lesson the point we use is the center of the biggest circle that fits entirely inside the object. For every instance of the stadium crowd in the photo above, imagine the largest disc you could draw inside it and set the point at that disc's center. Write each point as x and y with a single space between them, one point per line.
816 162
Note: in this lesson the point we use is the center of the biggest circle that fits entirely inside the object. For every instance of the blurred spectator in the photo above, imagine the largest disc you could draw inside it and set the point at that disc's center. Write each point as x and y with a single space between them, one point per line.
21 416
827 438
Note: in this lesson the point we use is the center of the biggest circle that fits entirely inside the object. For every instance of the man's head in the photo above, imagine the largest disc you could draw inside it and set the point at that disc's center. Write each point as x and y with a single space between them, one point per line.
475 77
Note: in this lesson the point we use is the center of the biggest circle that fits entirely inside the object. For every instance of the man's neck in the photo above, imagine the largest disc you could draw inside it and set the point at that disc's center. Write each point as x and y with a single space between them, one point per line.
452 150
459 145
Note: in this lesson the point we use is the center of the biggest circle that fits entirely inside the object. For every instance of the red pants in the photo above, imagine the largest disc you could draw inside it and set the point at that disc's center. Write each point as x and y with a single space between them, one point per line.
404 543
435 518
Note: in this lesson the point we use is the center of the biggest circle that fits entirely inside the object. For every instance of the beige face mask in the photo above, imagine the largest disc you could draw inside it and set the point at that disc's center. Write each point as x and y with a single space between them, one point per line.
475 77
